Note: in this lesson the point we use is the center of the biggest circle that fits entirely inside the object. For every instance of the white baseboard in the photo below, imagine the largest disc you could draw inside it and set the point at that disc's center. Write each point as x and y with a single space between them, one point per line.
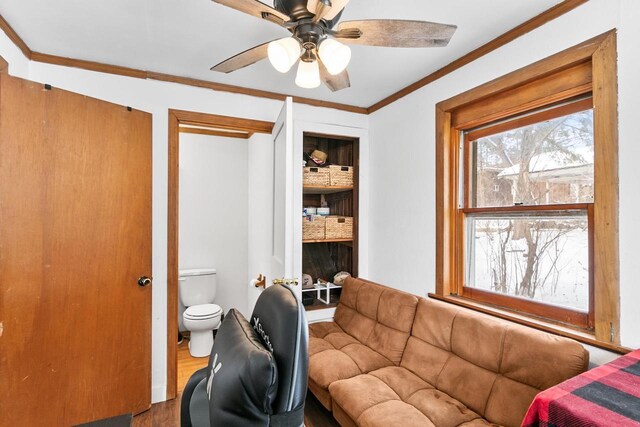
159 394
320 315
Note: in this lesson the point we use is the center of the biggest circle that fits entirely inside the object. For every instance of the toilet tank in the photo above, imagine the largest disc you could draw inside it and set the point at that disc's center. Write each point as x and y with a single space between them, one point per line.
197 286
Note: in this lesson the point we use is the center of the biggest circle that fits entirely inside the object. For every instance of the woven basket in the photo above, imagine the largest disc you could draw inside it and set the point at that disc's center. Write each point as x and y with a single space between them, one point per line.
339 227
313 229
341 176
316 177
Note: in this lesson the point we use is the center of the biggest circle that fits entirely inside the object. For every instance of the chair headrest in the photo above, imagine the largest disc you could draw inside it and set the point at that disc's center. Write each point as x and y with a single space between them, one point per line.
280 320
242 377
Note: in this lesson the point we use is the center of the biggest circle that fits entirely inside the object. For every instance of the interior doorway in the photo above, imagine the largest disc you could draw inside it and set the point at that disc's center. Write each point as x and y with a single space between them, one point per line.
189 124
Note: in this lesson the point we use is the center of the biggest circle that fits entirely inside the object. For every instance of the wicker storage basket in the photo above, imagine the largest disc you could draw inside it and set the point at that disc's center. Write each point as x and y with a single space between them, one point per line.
315 177
313 229
339 227
341 176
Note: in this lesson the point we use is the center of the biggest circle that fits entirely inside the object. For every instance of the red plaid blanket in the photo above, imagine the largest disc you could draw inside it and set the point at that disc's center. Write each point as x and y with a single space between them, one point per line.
605 396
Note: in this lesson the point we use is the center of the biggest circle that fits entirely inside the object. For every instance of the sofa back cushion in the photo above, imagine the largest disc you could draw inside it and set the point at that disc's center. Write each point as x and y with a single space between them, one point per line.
492 366
379 317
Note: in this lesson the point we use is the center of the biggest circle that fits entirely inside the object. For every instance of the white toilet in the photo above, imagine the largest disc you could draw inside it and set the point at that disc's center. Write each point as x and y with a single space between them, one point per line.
197 289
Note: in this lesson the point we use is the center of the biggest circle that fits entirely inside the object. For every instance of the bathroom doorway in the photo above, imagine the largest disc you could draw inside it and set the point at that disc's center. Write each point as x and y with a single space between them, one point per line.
209 170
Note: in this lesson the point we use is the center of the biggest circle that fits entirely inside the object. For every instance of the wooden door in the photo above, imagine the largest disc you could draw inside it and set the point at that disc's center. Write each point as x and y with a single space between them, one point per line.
75 236
284 211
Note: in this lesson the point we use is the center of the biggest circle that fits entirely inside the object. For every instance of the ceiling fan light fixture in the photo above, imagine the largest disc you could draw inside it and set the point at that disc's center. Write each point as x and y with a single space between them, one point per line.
308 76
335 56
284 53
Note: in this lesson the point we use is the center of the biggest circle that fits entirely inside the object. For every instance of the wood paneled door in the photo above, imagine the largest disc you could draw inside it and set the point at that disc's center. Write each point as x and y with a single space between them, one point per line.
75 238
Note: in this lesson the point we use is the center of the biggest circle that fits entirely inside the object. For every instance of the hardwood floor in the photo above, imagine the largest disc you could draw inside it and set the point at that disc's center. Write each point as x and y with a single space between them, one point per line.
167 414
187 364
315 415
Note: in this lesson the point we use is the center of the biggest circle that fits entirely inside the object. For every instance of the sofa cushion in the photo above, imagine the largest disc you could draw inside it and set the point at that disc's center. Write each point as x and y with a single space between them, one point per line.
338 356
393 413
493 367
322 329
394 396
402 381
371 329
366 359
331 365
356 395
317 345
379 317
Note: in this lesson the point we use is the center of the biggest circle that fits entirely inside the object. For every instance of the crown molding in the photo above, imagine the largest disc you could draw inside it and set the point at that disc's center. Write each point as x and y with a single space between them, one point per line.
15 38
522 29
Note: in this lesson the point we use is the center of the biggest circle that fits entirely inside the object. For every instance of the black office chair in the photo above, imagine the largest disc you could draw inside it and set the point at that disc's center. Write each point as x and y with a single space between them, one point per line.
257 373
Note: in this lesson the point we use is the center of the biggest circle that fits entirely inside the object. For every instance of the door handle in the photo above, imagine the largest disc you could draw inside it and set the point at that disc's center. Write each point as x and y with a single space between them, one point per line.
288 282
144 281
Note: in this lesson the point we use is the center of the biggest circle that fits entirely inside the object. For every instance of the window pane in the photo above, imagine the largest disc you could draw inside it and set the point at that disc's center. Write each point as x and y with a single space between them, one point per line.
545 163
539 257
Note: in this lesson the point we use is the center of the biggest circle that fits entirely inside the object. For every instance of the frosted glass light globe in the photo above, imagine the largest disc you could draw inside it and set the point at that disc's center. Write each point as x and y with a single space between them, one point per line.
284 53
335 56
308 75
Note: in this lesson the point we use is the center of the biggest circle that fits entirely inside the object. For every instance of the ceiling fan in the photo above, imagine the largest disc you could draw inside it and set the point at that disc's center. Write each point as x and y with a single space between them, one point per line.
314 41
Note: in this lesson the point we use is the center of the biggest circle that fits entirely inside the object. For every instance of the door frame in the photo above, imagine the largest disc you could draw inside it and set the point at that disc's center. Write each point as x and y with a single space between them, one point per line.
216 125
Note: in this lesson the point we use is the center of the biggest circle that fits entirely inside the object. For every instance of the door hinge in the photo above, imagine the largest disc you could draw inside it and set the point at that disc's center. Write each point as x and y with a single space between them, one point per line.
612 330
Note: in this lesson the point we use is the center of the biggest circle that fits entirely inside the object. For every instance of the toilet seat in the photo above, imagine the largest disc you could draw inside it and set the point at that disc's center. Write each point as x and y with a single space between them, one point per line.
202 311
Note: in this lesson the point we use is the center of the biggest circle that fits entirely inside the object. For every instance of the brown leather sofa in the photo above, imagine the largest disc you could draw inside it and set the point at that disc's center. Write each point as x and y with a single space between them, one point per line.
393 359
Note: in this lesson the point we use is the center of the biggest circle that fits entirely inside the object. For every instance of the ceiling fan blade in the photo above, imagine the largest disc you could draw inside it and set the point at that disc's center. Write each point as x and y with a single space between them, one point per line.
397 33
255 8
325 11
334 83
241 60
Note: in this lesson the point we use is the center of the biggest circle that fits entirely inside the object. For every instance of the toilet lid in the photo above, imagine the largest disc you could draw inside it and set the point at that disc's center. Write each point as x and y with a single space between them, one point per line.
203 311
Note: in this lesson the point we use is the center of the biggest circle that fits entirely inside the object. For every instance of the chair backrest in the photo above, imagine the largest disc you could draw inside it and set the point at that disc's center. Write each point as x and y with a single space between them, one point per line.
242 378
280 321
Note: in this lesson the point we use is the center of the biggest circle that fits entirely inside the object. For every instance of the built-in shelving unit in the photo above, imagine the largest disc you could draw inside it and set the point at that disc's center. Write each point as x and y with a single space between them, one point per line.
308 189
329 241
322 259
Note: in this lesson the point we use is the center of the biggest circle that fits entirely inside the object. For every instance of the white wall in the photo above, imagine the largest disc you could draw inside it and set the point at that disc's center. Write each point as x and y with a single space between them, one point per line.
213 213
402 229
157 98
629 154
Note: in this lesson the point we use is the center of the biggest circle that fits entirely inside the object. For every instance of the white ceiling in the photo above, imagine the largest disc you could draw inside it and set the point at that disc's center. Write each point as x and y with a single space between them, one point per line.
187 37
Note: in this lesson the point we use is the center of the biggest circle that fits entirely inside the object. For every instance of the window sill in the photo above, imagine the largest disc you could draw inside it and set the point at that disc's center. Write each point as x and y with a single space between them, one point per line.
581 336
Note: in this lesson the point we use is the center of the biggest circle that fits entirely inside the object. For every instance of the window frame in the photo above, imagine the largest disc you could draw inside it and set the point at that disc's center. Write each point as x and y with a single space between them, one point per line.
564 315
589 68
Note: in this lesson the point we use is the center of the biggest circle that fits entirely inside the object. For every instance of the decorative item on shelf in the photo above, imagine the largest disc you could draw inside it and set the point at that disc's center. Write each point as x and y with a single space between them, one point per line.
314 176
313 227
340 176
339 278
309 211
307 281
323 211
317 158
339 227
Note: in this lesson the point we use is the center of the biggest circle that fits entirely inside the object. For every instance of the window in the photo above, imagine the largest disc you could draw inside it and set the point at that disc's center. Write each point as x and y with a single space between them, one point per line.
526 211
527 194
